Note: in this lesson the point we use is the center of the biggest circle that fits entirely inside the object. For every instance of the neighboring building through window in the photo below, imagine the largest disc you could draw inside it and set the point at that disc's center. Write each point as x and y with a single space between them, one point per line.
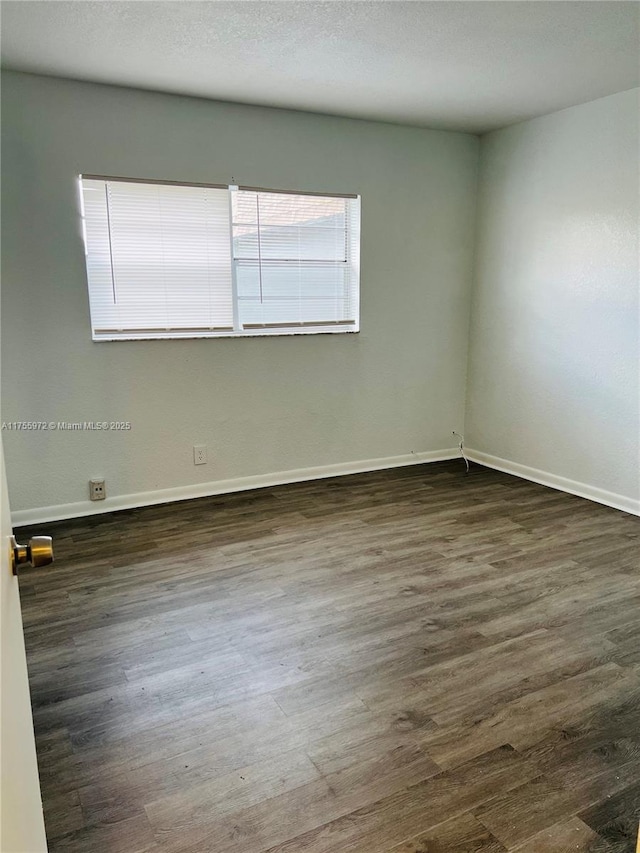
169 260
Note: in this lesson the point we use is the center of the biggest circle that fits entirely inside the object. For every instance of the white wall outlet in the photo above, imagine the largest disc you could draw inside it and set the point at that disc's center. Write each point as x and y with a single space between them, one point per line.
199 454
97 490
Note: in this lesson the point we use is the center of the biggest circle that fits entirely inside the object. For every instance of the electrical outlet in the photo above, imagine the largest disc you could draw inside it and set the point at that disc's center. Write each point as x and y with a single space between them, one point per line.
97 490
199 454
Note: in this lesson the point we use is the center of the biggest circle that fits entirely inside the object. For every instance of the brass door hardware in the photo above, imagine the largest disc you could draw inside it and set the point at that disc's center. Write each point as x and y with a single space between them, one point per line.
39 552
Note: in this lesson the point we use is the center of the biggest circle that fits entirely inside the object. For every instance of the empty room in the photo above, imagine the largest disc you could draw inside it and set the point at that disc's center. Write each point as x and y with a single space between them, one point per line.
320 426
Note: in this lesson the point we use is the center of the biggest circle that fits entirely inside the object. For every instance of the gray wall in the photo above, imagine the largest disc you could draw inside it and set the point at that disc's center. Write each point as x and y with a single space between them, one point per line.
263 406
553 378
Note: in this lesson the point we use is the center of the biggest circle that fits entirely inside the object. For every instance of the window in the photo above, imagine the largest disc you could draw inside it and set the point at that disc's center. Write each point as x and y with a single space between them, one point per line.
170 260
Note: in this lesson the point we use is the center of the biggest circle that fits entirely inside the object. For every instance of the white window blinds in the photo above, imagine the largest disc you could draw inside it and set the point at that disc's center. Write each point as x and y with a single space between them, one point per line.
166 260
295 259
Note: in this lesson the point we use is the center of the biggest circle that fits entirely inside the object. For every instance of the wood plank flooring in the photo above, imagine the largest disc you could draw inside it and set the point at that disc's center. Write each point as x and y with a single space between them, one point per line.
407 661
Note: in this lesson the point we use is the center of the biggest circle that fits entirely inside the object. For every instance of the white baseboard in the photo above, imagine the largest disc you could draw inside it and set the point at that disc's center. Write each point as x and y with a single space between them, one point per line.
221 487
582 490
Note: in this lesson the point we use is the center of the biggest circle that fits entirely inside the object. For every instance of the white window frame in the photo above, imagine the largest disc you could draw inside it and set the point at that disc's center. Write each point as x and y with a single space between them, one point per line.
236 328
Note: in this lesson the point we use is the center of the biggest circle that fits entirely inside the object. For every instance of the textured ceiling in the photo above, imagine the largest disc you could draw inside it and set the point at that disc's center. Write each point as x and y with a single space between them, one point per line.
471 66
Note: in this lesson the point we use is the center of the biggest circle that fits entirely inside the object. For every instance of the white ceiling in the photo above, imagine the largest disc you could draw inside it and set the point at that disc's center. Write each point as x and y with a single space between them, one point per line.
474 65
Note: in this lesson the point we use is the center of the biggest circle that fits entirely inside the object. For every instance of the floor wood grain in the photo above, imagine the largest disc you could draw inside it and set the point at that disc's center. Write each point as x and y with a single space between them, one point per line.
406 661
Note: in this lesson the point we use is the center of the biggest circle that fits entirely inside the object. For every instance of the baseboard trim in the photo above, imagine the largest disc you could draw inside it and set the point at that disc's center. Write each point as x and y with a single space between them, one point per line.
563 484
220 487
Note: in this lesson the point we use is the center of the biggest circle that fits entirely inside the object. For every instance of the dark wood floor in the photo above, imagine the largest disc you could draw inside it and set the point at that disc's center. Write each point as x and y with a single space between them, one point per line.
412 661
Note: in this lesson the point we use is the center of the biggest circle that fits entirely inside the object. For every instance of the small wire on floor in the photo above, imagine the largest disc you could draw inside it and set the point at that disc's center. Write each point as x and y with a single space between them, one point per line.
461 446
